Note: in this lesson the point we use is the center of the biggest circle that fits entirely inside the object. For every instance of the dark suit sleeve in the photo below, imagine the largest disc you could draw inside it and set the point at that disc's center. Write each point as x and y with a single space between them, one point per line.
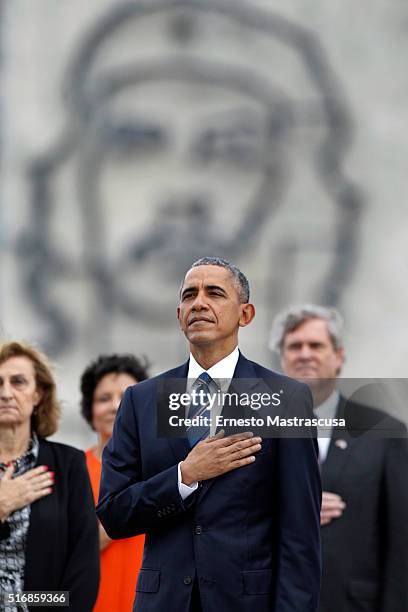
81 572
395 553
129 505
299 492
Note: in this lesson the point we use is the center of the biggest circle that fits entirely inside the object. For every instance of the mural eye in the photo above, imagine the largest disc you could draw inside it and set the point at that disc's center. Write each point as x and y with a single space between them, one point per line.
128 138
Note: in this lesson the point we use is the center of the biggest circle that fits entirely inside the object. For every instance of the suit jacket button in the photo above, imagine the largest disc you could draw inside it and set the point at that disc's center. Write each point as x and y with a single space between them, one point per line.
187 580
198 530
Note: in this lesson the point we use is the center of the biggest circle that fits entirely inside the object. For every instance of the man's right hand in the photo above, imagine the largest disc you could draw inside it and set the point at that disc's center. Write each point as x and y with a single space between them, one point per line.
332 507
22 490
217 455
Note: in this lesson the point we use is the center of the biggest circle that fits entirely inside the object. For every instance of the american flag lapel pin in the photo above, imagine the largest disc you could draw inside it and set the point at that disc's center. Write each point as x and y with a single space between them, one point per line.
341 444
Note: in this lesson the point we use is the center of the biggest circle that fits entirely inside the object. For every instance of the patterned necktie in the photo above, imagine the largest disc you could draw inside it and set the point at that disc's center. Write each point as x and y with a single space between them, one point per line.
200 407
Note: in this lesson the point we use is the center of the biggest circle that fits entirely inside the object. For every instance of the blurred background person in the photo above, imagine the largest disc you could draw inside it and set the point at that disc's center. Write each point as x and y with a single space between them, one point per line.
48 528
365 487
102 385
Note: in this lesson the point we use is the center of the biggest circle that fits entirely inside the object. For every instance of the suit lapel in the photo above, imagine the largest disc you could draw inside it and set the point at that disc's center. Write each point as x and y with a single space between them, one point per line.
243 385
341 445
175 382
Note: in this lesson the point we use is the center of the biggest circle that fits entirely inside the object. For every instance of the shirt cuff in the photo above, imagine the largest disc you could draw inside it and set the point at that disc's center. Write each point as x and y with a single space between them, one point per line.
184 489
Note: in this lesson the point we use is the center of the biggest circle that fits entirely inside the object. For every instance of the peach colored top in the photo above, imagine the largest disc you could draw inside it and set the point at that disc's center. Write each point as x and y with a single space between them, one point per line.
120 560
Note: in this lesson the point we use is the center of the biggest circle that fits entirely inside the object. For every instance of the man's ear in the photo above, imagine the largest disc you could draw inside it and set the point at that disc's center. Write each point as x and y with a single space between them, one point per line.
341 357
178 315
247 314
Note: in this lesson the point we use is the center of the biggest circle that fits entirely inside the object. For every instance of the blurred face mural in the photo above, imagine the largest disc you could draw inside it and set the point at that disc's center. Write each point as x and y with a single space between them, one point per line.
192 129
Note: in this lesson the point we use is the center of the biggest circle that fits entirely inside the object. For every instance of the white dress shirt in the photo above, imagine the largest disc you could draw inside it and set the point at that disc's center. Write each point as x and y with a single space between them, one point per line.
223 372
326 410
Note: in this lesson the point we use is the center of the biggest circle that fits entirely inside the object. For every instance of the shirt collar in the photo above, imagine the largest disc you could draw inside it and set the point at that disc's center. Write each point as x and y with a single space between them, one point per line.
223 370
327 409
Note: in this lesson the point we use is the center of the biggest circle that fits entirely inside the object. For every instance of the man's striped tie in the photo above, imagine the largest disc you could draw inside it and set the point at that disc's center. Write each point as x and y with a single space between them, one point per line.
200 408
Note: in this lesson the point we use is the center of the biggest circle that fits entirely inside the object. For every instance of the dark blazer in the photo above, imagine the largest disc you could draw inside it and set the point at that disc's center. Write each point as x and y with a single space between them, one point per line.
365 551
62 542
249 538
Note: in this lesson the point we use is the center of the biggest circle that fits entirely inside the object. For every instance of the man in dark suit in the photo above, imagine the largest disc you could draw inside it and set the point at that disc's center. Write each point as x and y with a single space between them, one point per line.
364 470
231 522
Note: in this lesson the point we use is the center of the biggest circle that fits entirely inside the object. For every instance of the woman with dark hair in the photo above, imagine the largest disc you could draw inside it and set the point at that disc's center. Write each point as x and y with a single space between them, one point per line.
102 385
48 528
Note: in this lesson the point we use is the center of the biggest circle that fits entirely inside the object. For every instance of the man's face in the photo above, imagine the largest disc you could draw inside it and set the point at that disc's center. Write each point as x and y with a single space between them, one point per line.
210 311
308 352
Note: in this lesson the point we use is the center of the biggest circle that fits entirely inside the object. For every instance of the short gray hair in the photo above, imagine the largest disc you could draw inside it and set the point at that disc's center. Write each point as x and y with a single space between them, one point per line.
290 319
240 280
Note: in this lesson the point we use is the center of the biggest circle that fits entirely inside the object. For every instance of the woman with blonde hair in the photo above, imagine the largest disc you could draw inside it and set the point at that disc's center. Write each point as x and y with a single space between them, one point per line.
48 529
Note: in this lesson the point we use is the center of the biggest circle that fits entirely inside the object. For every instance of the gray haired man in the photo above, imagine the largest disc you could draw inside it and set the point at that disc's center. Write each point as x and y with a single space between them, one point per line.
365 489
